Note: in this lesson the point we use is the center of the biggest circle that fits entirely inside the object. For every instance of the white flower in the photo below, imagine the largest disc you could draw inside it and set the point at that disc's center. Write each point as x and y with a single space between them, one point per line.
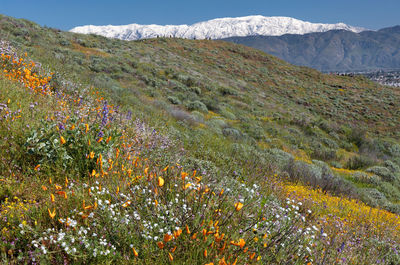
44 249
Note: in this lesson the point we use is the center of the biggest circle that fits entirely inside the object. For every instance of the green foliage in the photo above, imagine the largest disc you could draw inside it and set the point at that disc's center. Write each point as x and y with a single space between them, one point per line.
196 105
44 146
174 100
359 162
383 172
373 197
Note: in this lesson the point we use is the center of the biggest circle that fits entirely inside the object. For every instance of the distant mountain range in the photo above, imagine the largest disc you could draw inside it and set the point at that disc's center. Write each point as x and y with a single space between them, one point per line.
215 29
326 47
335 50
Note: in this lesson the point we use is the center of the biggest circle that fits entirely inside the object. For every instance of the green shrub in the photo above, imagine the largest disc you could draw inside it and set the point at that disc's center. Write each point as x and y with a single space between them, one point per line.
174 100
227 91
279 158
197 105
358 162
394 168
232 132
329 143
44 146
212 104
336 164
383 172
357 136
227 114
324 153
373 197
391 192
363 177
216 124
198 116
196 90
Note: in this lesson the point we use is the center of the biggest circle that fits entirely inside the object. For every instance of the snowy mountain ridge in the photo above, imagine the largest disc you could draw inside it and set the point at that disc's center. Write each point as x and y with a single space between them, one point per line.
216 28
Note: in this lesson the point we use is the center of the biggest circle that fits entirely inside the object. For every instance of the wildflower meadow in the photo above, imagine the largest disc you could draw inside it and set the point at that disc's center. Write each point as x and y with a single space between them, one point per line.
84 181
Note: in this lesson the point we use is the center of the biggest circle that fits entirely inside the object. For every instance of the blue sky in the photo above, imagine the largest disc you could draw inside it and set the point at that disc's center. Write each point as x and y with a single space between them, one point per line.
372 14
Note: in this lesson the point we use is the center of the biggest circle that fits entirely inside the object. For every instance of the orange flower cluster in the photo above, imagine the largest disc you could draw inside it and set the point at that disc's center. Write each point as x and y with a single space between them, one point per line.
26 72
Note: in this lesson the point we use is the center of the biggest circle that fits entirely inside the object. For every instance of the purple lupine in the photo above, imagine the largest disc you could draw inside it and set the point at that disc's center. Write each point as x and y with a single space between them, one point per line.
105 113
129 115
340 249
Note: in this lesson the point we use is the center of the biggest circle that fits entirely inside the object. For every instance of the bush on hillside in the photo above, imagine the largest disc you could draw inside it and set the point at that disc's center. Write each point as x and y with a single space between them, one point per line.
383 172
196 105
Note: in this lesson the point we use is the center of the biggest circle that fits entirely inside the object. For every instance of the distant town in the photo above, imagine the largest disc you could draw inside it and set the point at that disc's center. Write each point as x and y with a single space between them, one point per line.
388 78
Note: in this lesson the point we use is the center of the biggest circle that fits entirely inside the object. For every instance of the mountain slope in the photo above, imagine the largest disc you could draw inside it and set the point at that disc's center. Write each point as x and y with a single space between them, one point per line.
215 29
236 155
336 50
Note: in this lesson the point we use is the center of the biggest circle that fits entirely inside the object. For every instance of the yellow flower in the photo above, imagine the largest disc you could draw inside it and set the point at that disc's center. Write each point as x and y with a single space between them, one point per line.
62 140
238 206
52 214
160 181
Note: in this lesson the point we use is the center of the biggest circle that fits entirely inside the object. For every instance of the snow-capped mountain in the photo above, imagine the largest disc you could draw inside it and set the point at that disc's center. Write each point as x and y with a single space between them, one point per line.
216 28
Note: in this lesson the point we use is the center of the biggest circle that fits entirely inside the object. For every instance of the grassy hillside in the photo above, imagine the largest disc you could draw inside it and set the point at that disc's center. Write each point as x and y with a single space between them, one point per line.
157 145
